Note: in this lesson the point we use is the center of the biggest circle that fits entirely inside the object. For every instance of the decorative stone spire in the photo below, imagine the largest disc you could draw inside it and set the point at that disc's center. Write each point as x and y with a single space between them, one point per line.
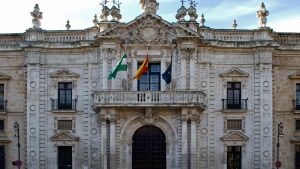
68 26
115 11
95 21
181 12
192 11
202 20
105 10
262 14
149 6
234 24
37 16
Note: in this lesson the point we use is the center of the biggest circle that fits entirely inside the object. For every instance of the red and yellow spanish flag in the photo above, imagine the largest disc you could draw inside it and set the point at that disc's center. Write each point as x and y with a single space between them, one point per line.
142 69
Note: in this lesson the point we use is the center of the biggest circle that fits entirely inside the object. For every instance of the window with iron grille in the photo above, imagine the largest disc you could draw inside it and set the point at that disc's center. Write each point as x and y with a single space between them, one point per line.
64 124
298 96
2 156
151 79
298 124
234 124
2 125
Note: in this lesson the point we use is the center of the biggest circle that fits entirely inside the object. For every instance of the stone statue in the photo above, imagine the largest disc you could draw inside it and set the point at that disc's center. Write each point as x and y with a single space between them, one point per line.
192 11
181 13
37 16
262 15
149 6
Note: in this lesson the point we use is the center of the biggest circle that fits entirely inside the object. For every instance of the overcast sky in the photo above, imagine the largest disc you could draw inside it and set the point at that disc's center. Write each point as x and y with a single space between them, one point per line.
15 14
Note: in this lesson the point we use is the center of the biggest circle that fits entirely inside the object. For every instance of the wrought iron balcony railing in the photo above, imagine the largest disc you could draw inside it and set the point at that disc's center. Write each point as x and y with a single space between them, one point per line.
235 104
3 105
68 104
148 98
296 103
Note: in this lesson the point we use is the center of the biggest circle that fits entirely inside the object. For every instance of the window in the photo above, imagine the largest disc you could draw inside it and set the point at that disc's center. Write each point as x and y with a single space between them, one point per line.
234 124
298 96
65 95
234 157
297 156
151 80
2 125
2 157
298 124
233 95
64 124
2 102
64 157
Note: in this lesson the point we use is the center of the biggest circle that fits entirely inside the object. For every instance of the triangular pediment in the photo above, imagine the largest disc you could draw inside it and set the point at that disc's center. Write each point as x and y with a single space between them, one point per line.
235 72
148 29
64 73
4 139
4 76
64 136
235 136
295 76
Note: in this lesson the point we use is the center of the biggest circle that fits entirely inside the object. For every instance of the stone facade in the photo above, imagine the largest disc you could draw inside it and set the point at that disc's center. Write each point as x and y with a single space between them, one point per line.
191 111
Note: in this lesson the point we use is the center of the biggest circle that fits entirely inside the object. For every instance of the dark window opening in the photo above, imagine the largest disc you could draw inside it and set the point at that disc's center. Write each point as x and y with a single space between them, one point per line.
235 124
65 95
2 125
233 95
234 157
2 101
64 124
298 96
297 156
151 79
2 157
64 157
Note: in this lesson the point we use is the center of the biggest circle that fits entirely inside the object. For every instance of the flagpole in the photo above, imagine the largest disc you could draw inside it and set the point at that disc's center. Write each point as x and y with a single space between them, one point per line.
148 70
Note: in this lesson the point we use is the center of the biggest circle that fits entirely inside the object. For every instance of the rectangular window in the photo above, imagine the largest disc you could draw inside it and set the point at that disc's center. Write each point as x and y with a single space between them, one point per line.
297 156
65 95
151 79
298 124
2 102
233 95
234 124
298 96
234 157
2 125
64 124
2 157
64 157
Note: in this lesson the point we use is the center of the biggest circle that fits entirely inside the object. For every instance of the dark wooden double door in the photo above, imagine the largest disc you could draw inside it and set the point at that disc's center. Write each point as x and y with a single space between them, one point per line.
149 148
234 157
64 157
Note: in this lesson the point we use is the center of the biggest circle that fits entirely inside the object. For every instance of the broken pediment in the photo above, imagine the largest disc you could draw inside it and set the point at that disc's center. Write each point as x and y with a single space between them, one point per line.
64 136
295 76
4 76
148 29
235 136
234 73
64 73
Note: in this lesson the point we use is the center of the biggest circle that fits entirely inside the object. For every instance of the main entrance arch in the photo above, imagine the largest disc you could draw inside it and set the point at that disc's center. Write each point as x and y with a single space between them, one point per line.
149 148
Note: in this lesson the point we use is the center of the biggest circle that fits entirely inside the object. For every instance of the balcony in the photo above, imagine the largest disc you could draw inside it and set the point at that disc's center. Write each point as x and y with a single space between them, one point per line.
63 106
148 99
3 105
235 105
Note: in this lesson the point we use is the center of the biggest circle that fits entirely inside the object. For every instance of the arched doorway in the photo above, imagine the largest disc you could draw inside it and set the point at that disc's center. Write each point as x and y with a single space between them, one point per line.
149 148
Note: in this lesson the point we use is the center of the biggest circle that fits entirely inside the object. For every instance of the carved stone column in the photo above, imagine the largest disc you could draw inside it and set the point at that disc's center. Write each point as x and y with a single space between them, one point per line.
184 140
113 64
194 120
163 69
105 70
193 61
103 122
112 140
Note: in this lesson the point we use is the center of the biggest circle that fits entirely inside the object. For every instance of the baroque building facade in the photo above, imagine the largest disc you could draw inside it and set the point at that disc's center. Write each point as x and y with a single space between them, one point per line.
229 90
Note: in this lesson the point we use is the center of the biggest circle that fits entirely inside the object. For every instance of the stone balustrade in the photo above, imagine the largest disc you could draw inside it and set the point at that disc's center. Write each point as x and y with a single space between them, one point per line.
64 36
11 39
288 38
148 99
233 36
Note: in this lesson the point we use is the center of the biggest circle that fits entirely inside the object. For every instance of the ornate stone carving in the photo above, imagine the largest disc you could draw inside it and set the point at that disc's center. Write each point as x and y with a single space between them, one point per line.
181 13
235 72
202 20
192 11
149 6
37 16
68 26
149 116
104 13
95 21
234 24
262 14
4 77
115 13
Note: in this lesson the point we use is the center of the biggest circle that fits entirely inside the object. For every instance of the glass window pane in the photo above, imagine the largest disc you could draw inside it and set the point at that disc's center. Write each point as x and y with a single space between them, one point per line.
154 87
154 78
143 87
143 79
155 68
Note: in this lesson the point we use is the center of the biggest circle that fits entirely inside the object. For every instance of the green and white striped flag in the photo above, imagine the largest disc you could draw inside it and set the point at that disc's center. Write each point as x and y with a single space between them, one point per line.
120 66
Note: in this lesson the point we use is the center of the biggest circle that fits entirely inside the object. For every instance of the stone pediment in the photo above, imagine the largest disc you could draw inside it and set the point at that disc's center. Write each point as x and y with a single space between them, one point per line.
64 73
64 136
4 76
235 136
235 72
295 76
4 139
148 29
